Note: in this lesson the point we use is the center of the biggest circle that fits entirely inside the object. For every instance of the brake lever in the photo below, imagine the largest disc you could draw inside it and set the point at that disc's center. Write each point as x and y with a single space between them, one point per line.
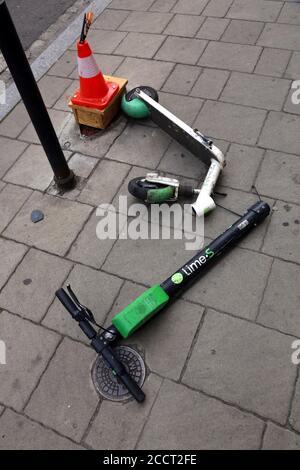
81 307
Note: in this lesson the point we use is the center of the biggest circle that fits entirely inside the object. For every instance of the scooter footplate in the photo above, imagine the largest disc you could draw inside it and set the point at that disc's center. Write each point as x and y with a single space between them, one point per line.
189 138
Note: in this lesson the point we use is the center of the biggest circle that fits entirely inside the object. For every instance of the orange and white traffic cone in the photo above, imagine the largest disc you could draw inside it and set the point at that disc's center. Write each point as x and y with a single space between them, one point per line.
95 91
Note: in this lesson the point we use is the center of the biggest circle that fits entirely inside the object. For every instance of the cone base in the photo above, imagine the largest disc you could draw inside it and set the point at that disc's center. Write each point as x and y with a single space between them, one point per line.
97 118
96 103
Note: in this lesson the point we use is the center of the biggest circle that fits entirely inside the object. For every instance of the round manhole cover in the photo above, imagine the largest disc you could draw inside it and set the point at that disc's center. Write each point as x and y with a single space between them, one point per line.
106 382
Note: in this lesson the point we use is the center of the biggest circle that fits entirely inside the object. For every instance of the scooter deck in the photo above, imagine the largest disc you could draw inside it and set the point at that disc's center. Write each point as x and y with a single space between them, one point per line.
191 139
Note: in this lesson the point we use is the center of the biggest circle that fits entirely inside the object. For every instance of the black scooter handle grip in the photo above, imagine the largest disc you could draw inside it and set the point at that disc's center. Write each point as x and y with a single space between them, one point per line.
132 387
120 371
67 302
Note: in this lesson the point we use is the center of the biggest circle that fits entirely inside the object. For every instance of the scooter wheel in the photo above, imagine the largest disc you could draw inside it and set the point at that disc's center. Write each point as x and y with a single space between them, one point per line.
153 193
136 108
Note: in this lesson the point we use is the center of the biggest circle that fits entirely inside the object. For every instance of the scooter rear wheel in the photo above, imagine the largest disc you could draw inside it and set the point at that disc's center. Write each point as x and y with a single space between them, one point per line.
136 108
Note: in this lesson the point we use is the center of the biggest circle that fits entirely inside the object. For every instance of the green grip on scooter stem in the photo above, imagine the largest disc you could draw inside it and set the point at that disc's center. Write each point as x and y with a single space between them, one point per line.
140 310
157 196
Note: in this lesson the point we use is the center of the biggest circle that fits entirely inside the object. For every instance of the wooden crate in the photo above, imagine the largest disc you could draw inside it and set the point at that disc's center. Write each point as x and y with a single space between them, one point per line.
96 118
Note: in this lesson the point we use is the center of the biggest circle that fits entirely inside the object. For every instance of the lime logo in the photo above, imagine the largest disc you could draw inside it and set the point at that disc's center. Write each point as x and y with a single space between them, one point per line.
209 253
177 278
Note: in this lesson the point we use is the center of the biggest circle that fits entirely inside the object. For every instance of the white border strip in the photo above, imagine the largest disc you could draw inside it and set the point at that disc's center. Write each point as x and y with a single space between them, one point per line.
54 51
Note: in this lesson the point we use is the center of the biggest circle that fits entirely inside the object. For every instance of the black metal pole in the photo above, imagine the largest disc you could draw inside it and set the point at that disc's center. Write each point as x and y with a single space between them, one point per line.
14 55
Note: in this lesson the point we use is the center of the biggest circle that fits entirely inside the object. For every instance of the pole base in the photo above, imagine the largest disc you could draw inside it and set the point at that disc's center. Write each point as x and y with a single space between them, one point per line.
67 183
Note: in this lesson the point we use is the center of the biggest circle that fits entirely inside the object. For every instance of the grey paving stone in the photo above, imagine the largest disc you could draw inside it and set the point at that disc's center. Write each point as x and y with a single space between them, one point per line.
139 71
139 145
243 32
52 88
104 183
109 427
277 438
140 45
12 149
95 289
280 306
184 107
87 248
213 28
107 63
293 69
256 10
239 57
20 433
193 7
176 406
66 388
162 5
15 122
27 293
110 19
230 122
295 416
217 8
241 166
11 200
281 132
254 90
58 119
97 147
183 50
231 276
283 36
11 254
138 5
168 360
290 14
22 171
27 355
273 62
289 106
168 254
182 79
282 238
245 364
182 162
63 220
64 66
63 101
146 22
279 176
210 84
82 165
184 25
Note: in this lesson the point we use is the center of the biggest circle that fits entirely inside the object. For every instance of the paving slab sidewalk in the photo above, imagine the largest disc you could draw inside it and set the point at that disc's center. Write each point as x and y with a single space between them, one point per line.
220 371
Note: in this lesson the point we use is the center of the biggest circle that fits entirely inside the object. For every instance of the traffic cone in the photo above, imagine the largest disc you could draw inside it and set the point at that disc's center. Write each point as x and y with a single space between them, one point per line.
95 92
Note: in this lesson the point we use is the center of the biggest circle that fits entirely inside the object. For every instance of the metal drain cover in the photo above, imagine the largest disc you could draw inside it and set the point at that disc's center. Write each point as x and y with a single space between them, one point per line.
106 382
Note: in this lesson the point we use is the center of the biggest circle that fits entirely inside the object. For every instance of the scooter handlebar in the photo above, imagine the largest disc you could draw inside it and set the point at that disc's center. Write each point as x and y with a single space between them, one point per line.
101 348
120 371
67 302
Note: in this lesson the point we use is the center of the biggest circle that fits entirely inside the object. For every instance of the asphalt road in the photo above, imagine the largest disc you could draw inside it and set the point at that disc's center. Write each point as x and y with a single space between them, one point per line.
33 17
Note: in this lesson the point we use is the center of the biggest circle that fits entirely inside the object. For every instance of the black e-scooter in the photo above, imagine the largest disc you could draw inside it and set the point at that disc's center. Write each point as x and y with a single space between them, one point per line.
120 367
